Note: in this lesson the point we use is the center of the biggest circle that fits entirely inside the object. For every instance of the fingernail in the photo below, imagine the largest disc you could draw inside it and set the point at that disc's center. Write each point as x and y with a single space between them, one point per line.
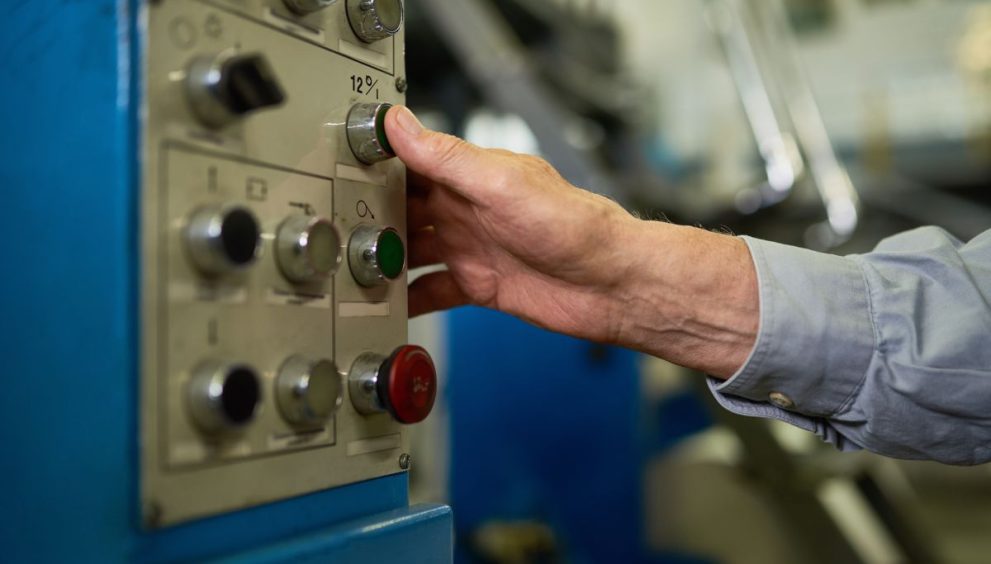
408 122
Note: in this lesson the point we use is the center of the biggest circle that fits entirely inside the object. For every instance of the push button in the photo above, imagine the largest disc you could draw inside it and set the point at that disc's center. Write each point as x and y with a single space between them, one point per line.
222 238
308 249
403 384
222 397
308 391
376 255
366 133
374 20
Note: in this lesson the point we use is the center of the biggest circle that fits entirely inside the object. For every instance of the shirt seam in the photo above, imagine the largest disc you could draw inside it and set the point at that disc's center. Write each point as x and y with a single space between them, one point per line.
765 312
869 294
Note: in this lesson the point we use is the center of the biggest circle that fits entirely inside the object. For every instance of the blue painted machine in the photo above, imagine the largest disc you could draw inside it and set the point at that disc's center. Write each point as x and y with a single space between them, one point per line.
204 327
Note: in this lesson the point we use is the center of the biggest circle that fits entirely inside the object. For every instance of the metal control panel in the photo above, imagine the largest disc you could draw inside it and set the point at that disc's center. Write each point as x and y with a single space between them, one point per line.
274 357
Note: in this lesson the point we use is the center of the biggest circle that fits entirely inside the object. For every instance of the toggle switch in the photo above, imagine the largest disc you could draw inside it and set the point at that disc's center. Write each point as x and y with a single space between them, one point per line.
308 249
303 7
223 397
222 238
374 20
376 255
308 391
403 384
366 133
225 88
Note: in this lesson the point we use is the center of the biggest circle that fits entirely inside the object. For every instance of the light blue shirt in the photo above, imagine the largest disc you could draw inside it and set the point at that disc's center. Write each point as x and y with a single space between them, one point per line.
888 351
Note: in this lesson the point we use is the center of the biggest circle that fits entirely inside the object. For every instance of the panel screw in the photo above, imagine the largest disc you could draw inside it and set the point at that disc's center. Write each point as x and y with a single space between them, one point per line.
153 515
404 461
401 84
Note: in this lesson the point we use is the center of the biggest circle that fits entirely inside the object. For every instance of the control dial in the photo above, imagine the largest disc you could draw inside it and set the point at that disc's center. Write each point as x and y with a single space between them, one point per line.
304 7
308 249
376 255
308 391
222 238
373 20
403 384
226 87
366 133
222 397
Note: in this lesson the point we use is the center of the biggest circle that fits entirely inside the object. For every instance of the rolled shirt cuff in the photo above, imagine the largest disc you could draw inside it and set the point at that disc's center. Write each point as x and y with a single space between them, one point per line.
816 337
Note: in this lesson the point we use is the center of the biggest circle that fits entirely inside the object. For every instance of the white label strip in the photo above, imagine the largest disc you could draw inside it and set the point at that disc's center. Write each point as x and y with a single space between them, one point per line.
313 34
279 442
277 297
366 176
185 292
362 53
378 444
363 309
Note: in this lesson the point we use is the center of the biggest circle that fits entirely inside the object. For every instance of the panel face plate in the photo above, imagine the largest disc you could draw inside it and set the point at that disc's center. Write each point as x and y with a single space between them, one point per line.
276 162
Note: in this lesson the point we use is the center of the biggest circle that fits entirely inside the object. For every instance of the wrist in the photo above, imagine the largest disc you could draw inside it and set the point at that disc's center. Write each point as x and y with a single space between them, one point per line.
687 295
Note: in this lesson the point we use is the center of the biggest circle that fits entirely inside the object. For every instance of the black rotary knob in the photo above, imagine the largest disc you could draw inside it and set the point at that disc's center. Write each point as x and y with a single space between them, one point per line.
227 87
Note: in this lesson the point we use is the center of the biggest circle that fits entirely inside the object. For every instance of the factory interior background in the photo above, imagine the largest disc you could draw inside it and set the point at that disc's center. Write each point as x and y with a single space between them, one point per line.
555 450
827 124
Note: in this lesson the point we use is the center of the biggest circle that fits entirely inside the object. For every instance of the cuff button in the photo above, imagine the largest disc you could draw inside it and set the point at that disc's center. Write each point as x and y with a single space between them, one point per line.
780 400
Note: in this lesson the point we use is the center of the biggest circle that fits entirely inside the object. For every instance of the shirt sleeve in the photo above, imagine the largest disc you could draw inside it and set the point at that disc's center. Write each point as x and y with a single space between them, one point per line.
888 351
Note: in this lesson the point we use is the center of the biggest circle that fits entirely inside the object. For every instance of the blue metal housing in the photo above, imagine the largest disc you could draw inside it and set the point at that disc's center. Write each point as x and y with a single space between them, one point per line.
69 311
553 430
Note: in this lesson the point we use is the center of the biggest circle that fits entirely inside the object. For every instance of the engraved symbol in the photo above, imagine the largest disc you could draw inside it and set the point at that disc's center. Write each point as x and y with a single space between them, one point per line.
362 209
257 189
420 385
182 33
307 208
212 179
213 28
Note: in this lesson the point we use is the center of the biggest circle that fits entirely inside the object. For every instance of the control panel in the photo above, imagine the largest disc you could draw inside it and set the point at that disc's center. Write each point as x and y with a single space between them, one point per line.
274 357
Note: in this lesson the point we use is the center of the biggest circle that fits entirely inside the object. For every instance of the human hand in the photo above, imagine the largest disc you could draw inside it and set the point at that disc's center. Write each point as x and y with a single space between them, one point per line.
516 237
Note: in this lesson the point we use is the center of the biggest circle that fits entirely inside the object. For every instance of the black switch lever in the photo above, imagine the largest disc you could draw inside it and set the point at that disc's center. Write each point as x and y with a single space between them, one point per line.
248 83
227 87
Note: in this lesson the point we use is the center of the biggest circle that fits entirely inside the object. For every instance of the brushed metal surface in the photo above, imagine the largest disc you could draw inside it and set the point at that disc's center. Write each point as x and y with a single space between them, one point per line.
277 163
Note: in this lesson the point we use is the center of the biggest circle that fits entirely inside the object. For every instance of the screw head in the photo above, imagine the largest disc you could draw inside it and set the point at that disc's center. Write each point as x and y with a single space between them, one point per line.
153 514
405 460
401 84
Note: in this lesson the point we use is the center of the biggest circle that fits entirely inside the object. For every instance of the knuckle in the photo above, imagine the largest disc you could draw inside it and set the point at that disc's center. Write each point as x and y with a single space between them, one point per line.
448 149
540 165
524 169
508 178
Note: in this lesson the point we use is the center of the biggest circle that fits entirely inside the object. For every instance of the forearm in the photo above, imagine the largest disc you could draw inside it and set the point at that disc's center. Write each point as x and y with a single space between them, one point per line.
690 297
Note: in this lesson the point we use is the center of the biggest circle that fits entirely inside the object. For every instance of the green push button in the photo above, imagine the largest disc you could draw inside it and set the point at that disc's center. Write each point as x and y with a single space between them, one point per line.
380 135
390 254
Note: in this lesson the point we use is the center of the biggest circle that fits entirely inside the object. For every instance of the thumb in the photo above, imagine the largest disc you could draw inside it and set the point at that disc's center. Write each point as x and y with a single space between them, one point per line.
464 168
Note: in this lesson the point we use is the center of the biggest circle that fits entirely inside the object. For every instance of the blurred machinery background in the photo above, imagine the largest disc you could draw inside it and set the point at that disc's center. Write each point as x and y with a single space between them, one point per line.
207 314
824 123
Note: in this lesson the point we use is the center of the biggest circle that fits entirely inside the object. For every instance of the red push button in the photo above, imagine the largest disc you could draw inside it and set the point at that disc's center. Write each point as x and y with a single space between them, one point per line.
407 384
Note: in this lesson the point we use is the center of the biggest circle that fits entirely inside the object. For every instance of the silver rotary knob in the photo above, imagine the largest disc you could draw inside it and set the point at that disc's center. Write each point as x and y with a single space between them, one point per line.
304 7
222 397
373 20
308 391
376 255
308 249
366 133
222 238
